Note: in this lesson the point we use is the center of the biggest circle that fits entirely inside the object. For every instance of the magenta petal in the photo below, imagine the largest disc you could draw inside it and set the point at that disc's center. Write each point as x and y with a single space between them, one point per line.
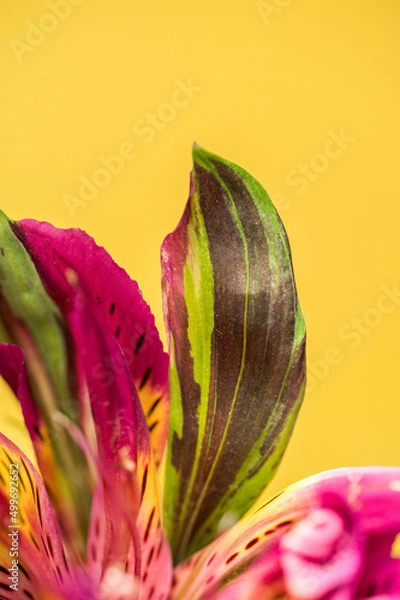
119 424
367 499
125 532
60 254
311 580
381 574
316 536
112 393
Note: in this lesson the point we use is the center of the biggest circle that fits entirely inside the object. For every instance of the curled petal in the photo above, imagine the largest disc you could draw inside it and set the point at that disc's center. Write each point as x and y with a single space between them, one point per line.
306 579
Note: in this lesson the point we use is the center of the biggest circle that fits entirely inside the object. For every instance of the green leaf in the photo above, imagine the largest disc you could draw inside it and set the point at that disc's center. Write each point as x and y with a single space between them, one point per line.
237 350
33 321
29 304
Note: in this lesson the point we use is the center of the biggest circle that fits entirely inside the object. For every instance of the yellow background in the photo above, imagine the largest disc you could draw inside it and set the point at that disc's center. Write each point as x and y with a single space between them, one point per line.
273 82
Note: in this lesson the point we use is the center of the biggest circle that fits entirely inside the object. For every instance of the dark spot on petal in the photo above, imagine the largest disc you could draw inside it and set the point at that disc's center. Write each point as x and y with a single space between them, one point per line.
4 570
153 426
93 552
251 543
145 378
150 556
118 331
112 308
39 509
28 474
211 559
44 545
231 558
50 546
144 480
283 524
154 406
370 590
210 579
97 528
34 541
160 545
151 592
29 595
38 433
23 570
21 480
146 533
139 342
8 457
268 532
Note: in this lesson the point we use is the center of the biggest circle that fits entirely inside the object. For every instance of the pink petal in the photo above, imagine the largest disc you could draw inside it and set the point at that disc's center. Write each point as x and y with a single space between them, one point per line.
134 540
367 498
307 580
42 567
315 536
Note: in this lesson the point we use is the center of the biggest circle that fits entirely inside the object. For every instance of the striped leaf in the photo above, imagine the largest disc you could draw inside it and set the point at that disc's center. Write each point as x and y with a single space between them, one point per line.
237 350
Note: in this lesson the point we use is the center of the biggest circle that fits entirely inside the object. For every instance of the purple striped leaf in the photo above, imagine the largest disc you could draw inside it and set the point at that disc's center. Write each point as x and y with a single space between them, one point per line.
237 350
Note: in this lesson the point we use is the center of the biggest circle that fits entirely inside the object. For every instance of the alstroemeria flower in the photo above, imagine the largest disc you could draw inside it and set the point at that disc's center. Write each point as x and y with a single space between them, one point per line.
140 465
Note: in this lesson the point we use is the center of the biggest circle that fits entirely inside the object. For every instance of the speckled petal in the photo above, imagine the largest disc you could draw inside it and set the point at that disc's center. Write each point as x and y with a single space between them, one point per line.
115 299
